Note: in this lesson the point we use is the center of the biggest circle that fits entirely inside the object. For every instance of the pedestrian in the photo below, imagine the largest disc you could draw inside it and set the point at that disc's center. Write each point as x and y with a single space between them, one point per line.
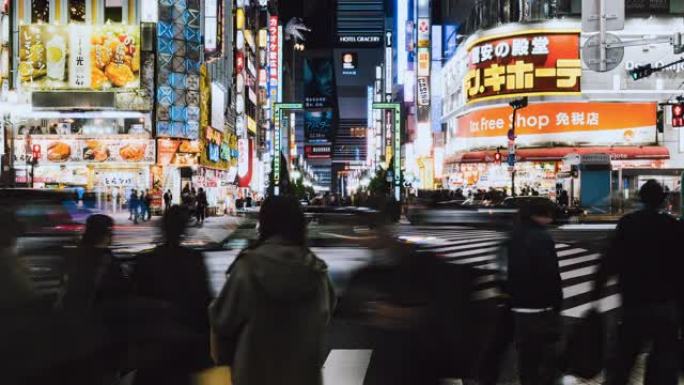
94 290
141 205
133 203
564 199
202 205
269 320
168 198
645 256
533 285
176 278
148 204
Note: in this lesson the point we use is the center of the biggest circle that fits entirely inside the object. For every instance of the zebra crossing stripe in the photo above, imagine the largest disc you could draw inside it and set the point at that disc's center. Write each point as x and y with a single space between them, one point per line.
608 303
346 366
579 272
578 260
569 252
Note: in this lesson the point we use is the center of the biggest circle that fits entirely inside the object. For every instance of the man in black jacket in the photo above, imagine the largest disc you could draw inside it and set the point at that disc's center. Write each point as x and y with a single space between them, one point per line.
645 256
534 286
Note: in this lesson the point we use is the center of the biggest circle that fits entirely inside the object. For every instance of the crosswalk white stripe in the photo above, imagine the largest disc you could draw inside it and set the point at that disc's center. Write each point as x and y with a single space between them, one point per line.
469 261
471 252
346 366
578 260
579 272
565 253
464 246
605 304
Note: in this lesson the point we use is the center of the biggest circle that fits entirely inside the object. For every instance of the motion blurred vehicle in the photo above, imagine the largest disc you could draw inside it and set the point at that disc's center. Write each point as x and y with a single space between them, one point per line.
484 213
338 235
48 223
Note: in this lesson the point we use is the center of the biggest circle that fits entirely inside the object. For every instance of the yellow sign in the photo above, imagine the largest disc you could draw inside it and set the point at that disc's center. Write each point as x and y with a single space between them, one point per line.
251 124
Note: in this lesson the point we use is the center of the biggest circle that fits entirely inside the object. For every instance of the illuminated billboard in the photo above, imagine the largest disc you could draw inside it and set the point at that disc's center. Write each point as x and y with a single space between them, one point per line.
559 124
78 56
528 63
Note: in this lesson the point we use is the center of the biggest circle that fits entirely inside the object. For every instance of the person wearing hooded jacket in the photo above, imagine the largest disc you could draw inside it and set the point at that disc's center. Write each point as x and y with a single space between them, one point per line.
270 318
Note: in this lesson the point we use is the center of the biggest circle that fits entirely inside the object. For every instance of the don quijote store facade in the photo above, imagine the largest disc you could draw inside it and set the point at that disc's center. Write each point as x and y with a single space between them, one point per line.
574 114
77 96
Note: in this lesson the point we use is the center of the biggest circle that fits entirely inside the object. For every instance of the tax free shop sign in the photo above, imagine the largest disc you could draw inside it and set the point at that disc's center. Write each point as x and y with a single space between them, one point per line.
558 124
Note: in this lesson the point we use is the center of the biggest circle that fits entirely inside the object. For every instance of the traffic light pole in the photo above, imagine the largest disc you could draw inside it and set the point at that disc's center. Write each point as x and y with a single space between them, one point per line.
515 111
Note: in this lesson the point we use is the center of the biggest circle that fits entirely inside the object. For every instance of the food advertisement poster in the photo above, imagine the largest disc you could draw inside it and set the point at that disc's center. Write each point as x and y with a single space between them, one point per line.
71 57
57 150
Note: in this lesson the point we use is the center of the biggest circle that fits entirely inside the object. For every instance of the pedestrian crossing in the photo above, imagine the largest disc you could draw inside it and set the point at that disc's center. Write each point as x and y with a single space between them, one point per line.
478 248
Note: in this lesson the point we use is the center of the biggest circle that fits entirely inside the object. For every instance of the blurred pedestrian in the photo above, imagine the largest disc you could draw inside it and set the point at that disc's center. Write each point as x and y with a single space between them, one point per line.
175 278
133 203
202 206
94 287
148 204
646 258
270 318
564 199
533 285
168 198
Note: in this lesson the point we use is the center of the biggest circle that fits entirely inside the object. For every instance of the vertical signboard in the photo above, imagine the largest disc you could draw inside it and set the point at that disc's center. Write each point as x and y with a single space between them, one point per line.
388 66
273 59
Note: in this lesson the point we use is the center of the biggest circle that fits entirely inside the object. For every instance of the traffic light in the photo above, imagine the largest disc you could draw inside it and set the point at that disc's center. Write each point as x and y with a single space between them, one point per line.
660 122
519 103
641 71
574 171
497 156
35 152
678 115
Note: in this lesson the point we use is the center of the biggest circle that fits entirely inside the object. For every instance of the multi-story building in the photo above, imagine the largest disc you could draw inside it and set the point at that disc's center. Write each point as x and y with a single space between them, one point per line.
110 96
577 116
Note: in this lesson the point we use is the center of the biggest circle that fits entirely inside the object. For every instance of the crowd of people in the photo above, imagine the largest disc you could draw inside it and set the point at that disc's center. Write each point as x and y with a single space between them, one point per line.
270 320
140 206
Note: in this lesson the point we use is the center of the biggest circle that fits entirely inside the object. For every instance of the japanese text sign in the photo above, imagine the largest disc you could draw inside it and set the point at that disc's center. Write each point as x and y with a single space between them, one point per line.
559 124
533 63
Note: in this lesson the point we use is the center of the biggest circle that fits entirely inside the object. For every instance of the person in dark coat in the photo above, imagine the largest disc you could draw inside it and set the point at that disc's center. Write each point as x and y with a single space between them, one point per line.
271 316
133 203
533 284
646 257
202 205
148 205
175 279
168 198
94 290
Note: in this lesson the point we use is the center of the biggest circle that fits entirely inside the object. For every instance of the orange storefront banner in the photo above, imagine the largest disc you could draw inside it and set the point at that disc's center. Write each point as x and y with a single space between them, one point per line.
541 62
549 118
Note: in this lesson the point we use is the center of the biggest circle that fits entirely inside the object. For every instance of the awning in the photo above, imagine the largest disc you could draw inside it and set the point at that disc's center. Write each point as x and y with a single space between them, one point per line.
558 153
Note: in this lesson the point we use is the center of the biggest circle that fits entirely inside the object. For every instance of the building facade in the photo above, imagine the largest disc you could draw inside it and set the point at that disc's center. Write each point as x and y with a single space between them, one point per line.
575 115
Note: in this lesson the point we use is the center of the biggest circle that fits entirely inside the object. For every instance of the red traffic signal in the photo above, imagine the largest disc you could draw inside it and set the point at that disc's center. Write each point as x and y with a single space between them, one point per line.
35 151
497 157
678 115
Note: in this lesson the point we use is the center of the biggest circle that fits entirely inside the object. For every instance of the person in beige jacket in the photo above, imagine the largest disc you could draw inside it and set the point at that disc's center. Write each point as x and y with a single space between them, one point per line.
270 319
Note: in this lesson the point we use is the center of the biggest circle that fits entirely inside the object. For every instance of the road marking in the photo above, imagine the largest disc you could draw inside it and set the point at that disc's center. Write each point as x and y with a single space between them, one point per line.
568 252
579 272
575 261
471 252
605 304
589 226
346 366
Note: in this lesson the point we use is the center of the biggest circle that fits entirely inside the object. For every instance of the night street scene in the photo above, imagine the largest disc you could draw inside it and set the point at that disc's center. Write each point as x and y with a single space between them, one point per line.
341 192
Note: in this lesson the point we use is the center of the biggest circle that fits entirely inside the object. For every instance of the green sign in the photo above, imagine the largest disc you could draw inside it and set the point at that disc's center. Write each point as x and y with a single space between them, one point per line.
277 118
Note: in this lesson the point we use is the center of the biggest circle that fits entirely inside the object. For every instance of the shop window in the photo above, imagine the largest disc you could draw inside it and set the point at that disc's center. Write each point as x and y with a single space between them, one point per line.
40 11
77 11
113 11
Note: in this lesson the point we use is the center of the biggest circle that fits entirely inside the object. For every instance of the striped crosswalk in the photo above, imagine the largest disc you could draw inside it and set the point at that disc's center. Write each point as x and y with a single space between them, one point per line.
478 248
